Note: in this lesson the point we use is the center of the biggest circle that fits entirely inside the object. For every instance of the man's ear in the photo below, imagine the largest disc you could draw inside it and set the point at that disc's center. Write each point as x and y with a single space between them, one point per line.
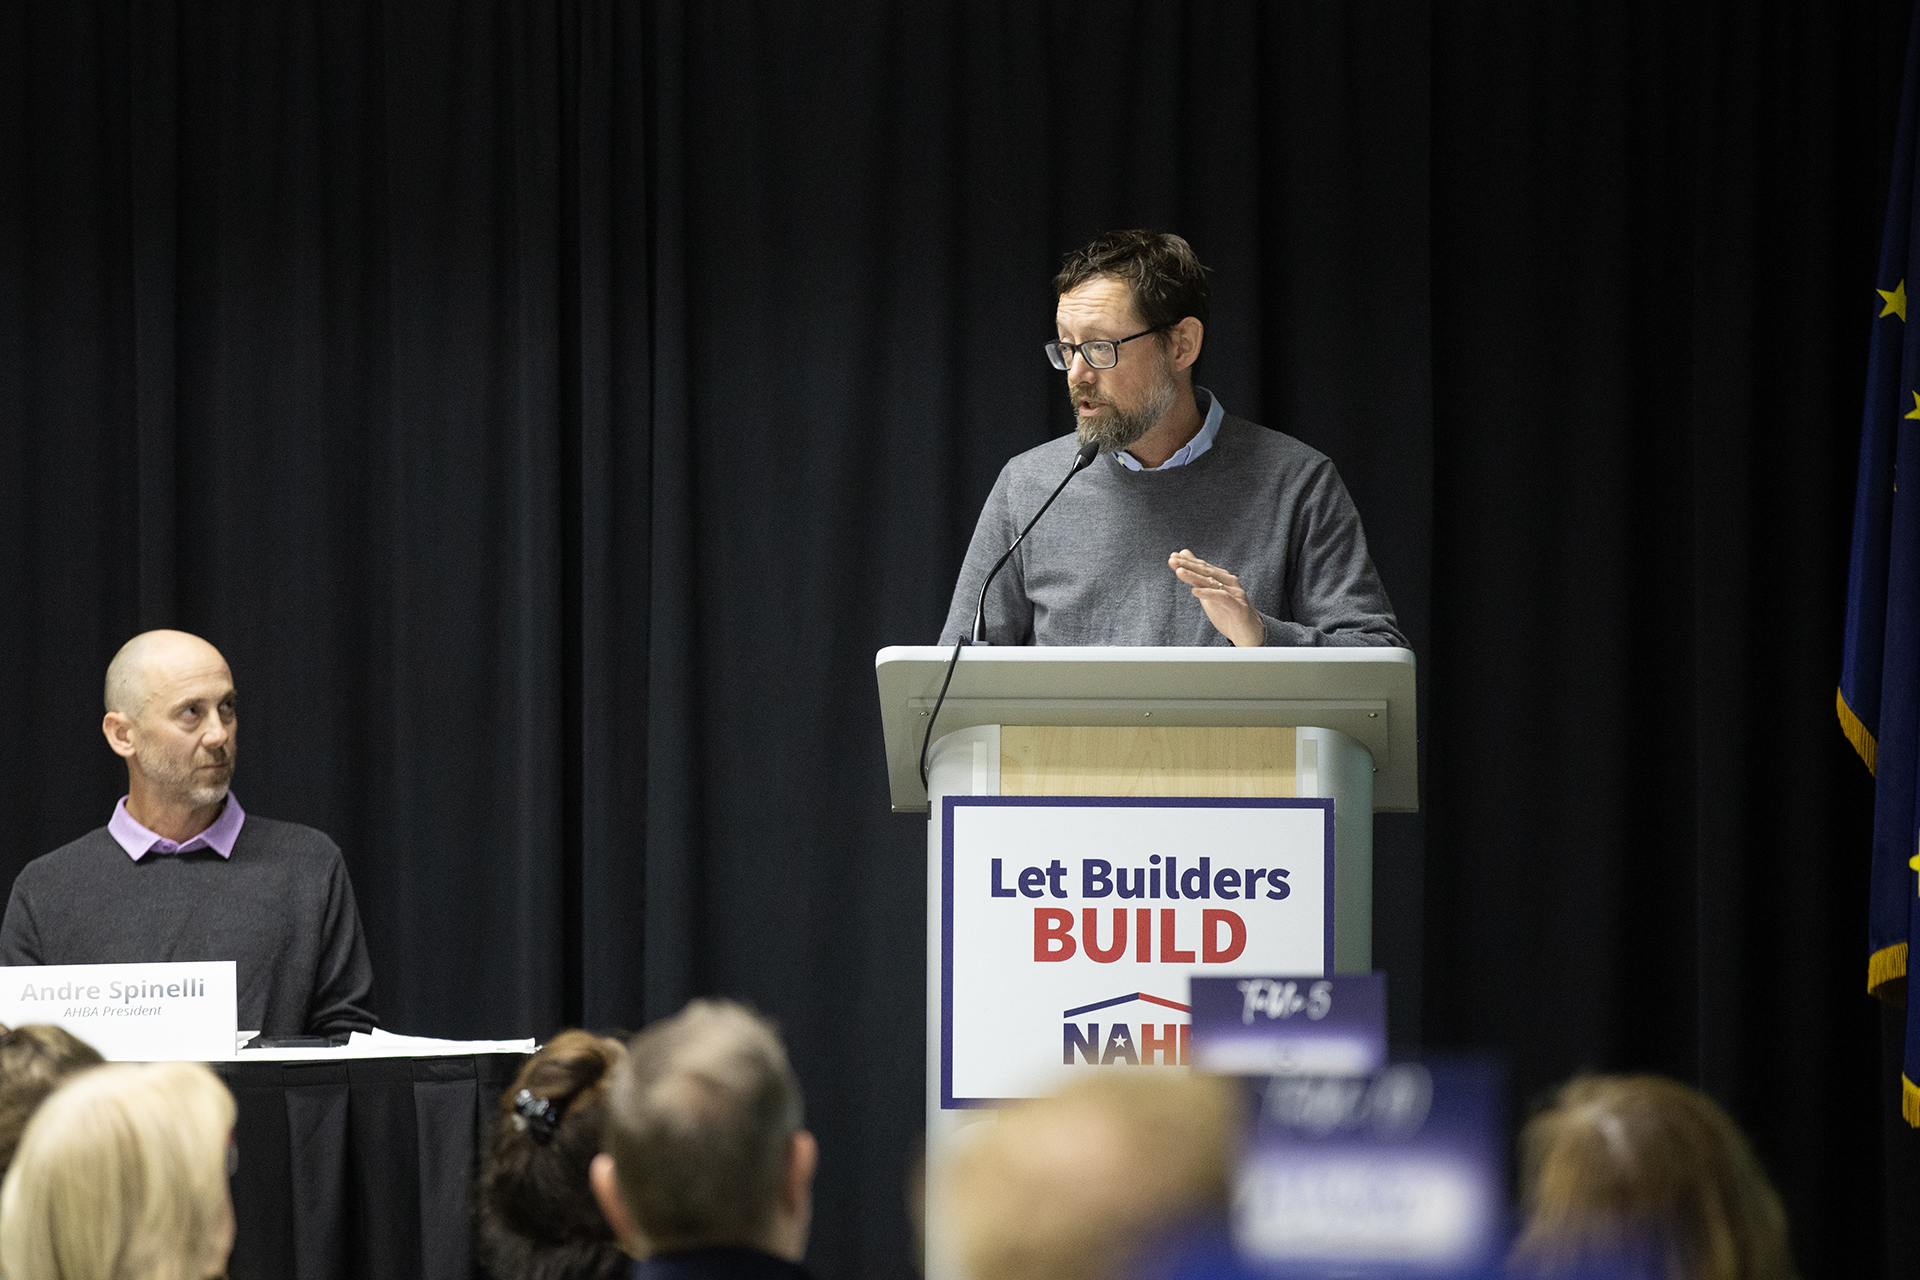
118 726
803 1159
605 1181
1186 339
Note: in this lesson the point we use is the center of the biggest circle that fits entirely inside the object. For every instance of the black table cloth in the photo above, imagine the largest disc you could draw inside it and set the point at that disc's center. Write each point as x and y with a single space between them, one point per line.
361 1168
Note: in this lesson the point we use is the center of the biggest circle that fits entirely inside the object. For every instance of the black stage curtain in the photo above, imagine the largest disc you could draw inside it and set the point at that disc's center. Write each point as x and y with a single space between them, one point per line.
550 407
1645 837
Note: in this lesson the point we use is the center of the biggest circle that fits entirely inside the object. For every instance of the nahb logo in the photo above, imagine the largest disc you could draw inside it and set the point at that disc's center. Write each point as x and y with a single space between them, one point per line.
1164 1046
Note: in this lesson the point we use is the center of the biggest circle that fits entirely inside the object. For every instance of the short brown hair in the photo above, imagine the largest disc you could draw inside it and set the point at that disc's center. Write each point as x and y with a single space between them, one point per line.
700 1121
537 1213
34 1059
1167 280
1629 1165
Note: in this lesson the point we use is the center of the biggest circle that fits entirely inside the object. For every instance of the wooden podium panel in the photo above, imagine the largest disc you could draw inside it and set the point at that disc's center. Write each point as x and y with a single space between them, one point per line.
1068 760
1366 695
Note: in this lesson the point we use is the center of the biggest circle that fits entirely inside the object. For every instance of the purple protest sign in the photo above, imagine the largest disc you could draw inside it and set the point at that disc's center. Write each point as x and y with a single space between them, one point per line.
1396 1173
1290 1025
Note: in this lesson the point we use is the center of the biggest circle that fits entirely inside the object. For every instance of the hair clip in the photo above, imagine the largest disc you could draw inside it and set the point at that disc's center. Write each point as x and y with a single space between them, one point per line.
537 1116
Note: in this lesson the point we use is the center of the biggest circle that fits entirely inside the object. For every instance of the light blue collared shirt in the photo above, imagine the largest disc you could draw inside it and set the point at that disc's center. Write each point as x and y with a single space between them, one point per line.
139 842
1201 442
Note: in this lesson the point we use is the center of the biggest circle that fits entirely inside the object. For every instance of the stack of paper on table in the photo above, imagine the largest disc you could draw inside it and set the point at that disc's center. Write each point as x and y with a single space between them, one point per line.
384 1044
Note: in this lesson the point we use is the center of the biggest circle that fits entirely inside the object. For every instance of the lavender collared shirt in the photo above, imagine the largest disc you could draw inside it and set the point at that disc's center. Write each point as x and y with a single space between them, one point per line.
139 842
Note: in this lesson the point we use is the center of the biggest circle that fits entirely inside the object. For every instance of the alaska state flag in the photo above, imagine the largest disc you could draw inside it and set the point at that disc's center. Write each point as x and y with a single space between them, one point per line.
1879 699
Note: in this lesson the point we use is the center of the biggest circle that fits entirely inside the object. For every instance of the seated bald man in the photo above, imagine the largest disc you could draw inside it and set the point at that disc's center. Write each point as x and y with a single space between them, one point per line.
181 872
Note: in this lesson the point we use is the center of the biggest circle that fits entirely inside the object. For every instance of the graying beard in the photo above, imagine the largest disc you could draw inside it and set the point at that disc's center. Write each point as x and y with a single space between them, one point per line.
1124 429
211 793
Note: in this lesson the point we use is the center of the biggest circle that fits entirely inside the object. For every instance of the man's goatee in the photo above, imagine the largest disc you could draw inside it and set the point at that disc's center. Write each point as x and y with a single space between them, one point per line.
1117 430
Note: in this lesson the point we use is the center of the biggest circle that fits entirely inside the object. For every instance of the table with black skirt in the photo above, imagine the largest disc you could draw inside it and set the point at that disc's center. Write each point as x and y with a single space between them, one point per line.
361 1168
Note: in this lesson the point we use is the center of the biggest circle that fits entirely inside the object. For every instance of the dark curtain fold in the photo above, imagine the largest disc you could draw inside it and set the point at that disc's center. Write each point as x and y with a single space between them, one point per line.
550 407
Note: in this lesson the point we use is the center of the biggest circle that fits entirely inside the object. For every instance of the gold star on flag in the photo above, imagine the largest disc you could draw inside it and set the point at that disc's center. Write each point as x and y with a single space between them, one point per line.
1916 406
1896 301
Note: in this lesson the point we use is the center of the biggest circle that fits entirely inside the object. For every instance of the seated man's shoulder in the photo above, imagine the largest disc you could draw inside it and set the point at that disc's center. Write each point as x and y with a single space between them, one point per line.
90 850
290 841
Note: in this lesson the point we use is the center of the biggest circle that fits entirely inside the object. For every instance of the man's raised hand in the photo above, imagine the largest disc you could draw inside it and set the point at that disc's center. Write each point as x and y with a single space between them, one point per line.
1220 594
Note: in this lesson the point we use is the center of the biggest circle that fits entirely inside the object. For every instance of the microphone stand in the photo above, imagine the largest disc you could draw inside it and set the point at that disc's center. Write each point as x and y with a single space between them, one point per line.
1088 452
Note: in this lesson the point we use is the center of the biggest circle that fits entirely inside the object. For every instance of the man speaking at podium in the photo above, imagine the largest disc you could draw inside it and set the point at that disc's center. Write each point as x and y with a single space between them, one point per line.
181 873
1197 528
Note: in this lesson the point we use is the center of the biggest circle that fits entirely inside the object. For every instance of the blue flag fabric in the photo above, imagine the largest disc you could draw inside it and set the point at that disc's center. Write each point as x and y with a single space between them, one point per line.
1879 698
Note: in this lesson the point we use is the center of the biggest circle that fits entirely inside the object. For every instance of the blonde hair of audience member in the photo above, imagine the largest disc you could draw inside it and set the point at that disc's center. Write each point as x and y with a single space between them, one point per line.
704 1145
1645 1167
538 1219
122 1175
34 1059
1074 1186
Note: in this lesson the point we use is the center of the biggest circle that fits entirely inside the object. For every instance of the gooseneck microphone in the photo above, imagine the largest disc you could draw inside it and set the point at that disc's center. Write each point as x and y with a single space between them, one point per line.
1088 452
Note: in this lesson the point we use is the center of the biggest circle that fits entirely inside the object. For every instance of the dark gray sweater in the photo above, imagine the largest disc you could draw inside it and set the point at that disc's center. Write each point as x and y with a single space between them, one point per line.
281 908
1259 504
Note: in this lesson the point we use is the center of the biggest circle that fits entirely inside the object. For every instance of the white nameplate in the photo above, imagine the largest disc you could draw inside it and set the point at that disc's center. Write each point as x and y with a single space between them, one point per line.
130 1012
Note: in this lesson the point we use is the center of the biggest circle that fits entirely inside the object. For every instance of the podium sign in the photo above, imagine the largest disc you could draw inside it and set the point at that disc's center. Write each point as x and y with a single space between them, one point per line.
1071 926
162 1012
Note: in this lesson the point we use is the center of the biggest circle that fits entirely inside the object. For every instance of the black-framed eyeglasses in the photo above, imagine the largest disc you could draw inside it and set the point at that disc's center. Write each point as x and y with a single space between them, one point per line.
1101 353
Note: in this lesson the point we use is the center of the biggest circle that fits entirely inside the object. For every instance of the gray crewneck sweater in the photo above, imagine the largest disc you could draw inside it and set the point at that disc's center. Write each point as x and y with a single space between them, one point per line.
1258 504
281 908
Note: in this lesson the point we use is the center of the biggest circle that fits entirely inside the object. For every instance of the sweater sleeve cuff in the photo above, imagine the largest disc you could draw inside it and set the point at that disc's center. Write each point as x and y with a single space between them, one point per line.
1296 635
1289 634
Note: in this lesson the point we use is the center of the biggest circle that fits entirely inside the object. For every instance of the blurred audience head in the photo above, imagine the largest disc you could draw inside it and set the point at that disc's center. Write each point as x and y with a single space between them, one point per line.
704 1145
538 1219
33 1061
1076 1186
1645 1171
122 1175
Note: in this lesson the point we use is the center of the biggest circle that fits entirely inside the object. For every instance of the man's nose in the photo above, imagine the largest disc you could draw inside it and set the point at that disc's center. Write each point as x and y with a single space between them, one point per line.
216 732
1078 370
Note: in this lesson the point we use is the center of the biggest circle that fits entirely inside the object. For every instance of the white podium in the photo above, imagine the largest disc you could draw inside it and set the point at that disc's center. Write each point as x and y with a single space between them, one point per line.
1335 724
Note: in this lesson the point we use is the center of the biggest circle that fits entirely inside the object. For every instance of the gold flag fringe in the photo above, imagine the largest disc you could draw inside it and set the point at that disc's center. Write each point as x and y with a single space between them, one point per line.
1856 732
1886 966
